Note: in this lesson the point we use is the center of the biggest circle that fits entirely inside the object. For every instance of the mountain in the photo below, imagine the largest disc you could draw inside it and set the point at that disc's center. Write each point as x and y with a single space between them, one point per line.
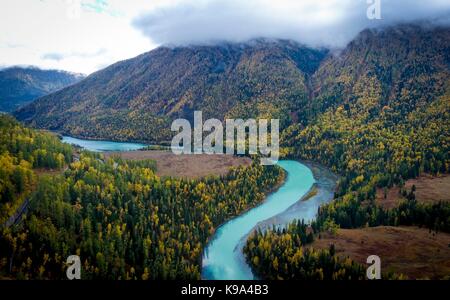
380 110
377 113
399 69
137 99
402 67
21 85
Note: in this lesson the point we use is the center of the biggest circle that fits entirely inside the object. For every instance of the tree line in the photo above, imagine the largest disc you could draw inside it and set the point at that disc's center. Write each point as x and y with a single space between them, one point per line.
21 151
285 253
124 221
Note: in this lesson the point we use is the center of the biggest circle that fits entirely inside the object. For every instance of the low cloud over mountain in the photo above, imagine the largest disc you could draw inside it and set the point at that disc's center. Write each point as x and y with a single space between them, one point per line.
330 23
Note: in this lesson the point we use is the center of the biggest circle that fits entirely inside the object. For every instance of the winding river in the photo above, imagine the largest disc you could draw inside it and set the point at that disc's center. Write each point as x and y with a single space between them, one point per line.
223 258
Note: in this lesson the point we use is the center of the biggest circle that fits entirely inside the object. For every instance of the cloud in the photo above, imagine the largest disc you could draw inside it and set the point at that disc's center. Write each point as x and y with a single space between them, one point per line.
61 56
330 23
53 56
67 34
100 7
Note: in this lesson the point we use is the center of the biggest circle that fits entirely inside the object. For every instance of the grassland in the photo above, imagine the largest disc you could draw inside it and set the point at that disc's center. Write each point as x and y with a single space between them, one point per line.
185 166
412 251
429 189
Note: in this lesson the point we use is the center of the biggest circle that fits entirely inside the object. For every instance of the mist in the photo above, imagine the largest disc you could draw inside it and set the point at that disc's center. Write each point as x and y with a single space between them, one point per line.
330 24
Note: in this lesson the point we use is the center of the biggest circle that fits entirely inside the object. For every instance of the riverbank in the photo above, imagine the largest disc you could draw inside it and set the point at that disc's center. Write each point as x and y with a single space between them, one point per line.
102 146
223 258
321 192
100 139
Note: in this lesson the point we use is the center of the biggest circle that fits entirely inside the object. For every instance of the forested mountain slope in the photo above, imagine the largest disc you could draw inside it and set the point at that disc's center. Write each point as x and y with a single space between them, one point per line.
20 86
138 98
380 114
381 109
399 68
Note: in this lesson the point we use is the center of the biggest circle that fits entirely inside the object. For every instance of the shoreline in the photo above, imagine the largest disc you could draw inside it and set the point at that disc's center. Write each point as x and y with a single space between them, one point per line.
325 186
211 238
268 193
60 134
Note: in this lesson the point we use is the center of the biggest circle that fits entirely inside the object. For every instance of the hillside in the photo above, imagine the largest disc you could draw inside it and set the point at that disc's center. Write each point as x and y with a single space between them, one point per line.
137 99
399 69
20 86
380 111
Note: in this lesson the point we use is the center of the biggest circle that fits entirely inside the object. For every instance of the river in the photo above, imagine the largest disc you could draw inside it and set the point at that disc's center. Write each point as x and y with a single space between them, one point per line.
223 258
102 146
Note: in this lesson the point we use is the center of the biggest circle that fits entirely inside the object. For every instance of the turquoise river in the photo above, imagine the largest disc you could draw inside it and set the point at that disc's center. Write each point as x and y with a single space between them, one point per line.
223 258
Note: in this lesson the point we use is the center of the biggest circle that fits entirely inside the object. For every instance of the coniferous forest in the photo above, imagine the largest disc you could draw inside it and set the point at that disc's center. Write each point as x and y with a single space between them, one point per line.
123 220
387 130
376 113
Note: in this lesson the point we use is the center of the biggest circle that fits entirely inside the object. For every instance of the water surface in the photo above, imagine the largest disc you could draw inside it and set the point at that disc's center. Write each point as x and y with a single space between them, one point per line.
223 259
102 146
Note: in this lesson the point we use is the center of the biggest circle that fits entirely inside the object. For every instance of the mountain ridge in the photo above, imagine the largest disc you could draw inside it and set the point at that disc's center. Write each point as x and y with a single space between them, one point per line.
137 98
167 83
20 85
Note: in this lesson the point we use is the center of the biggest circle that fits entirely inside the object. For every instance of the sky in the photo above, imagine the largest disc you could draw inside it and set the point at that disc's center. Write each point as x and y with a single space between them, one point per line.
84 36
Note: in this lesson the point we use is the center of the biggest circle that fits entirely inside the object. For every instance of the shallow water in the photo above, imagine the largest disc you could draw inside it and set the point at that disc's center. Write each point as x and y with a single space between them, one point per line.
222 259
102 146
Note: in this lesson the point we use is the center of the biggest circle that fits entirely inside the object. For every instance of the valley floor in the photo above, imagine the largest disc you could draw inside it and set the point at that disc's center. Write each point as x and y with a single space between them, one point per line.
186 166
429 189
412 251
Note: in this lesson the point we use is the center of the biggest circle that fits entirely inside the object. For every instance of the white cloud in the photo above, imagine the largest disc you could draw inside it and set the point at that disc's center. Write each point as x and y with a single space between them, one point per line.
61 56
85 35
81 41
330 23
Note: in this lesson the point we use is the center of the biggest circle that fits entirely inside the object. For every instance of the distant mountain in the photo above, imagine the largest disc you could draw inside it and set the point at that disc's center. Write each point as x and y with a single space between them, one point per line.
136 99
21 85
400 68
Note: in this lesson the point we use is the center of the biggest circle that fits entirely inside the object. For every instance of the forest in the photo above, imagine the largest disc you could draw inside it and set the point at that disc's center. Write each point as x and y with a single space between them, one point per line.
281 254
23 150
351 213
284 254
377 114
376 124
118 216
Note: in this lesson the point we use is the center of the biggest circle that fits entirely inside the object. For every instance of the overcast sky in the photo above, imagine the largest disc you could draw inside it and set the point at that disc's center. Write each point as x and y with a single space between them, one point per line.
87 35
